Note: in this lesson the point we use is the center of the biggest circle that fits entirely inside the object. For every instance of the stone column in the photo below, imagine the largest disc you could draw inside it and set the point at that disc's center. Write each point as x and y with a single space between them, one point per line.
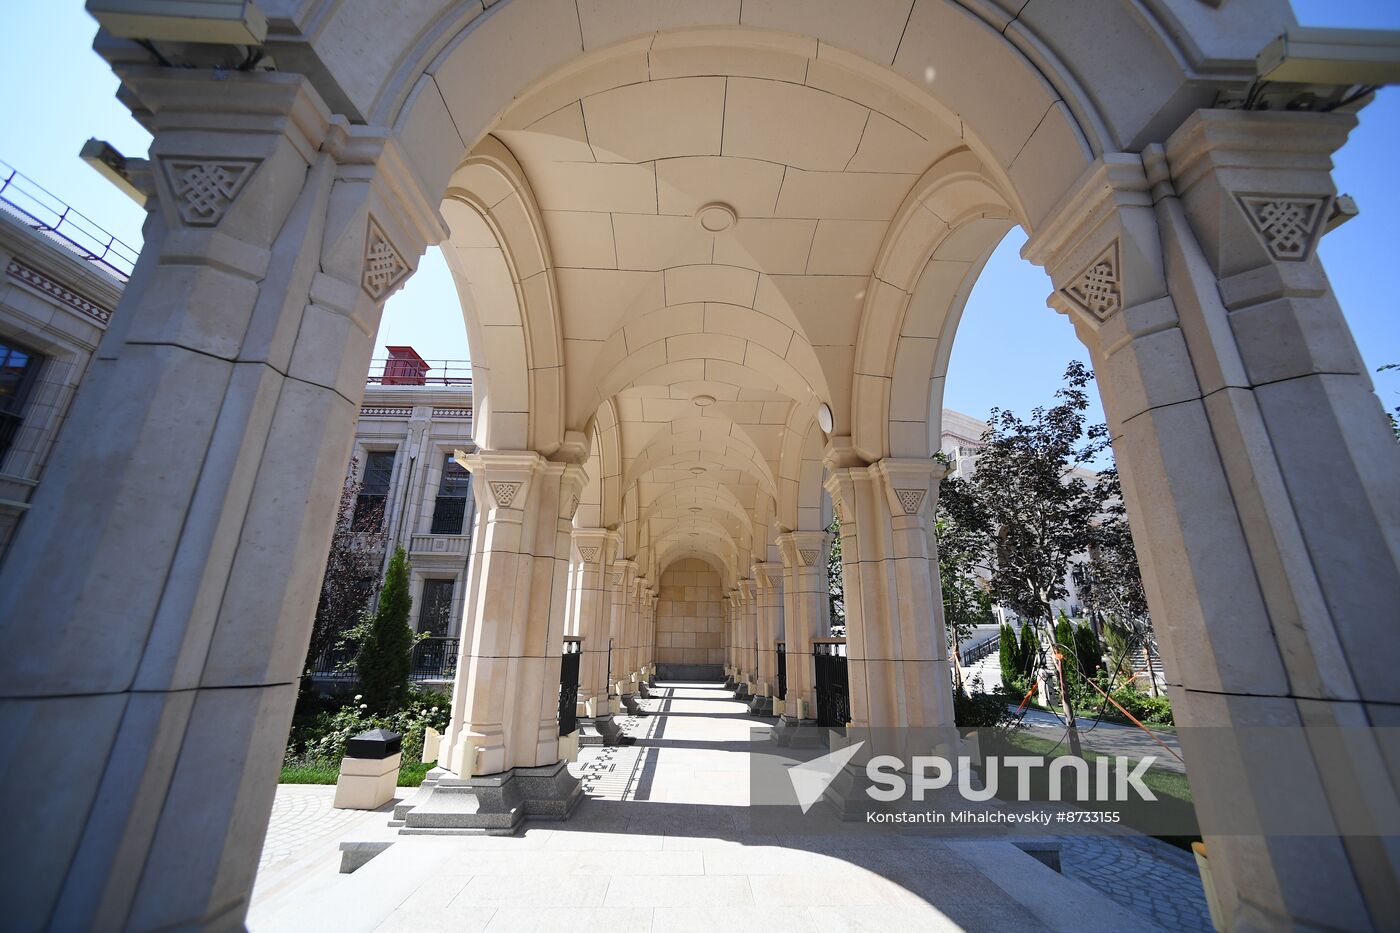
768 631
1259 474
748 647
162 587
505 700
896 649
728 634
620 582
592 610
807 614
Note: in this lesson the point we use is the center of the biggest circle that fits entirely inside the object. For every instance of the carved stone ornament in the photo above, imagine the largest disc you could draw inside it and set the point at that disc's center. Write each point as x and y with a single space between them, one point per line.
204 189
808 555
1098 290
504 493
910 499
384 266
589 554
573 507
1288 226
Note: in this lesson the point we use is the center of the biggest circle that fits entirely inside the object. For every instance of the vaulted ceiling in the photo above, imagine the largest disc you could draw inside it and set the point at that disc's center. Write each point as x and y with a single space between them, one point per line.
713 223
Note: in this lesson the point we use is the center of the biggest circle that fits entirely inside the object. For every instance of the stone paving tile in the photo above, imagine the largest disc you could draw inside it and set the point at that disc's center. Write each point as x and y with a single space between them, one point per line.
664 843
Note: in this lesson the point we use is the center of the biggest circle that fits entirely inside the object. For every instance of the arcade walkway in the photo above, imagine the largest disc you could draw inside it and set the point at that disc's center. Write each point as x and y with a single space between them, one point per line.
664 843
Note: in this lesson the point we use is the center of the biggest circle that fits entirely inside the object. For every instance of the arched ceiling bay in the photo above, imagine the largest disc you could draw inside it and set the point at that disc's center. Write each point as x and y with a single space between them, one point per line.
713 222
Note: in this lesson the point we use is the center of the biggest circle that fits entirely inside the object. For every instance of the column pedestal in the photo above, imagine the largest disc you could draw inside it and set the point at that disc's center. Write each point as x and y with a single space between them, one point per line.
494 804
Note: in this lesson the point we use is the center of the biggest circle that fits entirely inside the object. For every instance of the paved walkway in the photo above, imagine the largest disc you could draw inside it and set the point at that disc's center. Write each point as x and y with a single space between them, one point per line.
667 841
1111 738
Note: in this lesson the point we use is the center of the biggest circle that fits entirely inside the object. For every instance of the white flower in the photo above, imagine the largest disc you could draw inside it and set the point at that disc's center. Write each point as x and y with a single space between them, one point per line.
360 696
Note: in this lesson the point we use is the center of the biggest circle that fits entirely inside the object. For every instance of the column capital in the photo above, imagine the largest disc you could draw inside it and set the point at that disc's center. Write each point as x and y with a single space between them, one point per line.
592 546
910 484
506 478
768 574
805 549
1257 186
1100 247
746 589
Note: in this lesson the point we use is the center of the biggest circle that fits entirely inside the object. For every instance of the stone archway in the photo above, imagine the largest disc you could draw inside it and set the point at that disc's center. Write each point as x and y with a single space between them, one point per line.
918 132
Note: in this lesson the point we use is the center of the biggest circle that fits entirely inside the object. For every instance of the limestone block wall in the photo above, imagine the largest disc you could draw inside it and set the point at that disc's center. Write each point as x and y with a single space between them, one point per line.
689 610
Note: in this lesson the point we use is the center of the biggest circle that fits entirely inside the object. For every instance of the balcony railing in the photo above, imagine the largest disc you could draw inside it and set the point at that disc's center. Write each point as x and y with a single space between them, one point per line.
433 659
36 208
399 372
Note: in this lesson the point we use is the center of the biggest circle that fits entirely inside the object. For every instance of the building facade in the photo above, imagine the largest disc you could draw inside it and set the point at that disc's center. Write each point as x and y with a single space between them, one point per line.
62 279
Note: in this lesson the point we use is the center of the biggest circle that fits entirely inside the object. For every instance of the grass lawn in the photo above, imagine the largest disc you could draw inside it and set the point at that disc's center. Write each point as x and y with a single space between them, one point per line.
1173 807
411 773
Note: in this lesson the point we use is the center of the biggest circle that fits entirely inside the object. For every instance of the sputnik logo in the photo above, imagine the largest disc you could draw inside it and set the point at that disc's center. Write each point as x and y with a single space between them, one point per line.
811 778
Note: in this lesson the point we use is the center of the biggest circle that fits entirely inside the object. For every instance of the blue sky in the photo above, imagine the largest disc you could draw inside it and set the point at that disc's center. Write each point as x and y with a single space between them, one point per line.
1010 349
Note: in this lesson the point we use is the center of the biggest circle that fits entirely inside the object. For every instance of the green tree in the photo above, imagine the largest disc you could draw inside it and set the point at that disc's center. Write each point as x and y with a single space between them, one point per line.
1115 594
1027 650
351 568
966 602
835 582
1088 653
1009 656
384 662
1034 505
1393 412
1066 663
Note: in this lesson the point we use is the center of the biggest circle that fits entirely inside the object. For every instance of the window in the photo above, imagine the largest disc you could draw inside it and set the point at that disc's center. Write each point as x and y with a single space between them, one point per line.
374 491
450 510
18 369
435 608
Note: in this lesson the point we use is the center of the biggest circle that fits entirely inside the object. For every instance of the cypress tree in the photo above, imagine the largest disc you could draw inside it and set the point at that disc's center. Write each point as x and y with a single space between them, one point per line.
1065 644
1086 648
1009 654
1026 652
385 661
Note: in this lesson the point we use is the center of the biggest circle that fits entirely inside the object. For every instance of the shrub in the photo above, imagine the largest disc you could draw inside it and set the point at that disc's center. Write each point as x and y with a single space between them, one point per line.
1147 709
385 662
323 738
983 710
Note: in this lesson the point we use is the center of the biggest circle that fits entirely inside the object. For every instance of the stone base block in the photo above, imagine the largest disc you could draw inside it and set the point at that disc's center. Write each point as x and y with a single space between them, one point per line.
729 682
550 791
600 730
629 702
366 783
741 691
798 733
425 790
761 706
488 804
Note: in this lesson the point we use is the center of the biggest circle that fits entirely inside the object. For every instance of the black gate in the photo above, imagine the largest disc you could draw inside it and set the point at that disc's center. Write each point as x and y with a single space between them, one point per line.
782 670
568 685
833 683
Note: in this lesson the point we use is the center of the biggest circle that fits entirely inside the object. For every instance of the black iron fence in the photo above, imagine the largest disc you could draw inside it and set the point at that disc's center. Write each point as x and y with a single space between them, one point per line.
568 685
432 659
833 682
782 670
449 513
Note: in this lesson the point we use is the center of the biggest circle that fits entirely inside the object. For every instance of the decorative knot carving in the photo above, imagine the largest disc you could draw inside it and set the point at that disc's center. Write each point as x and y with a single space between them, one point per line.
504 493
573 507
1288 226
1098 290
590 554
384 266
809 555
205 189
910 499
